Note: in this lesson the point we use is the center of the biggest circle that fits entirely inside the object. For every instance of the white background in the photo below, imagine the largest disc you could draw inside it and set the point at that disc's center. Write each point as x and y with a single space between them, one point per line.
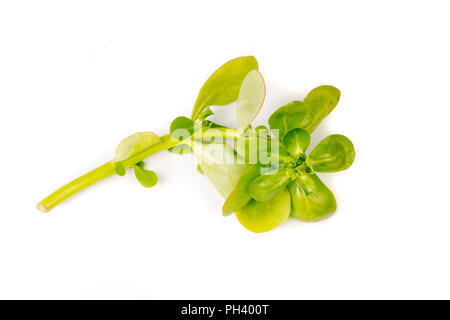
76 77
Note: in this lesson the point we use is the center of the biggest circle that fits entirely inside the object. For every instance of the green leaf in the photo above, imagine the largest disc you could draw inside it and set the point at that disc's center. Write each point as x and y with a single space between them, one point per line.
222 87
119 169
240 195
134 144
287 117
296 141
332 154
147 178
181 128
199 169
320 102
311 199
181 149
264 216
220 164
262 131
307 114
250 99
140 164
268 185
205 114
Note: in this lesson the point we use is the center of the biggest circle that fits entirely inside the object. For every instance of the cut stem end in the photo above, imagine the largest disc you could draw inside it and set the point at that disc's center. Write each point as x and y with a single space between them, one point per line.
42 208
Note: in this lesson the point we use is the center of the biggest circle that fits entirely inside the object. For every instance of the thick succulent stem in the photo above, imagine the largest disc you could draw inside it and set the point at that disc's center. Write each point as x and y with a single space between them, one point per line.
101 173
107 169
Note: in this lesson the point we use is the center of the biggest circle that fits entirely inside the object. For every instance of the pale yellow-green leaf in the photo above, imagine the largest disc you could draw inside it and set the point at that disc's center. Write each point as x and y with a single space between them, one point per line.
145 177
332 154
250 99
222 87
134 144
311 199
264 216
220 164
240 195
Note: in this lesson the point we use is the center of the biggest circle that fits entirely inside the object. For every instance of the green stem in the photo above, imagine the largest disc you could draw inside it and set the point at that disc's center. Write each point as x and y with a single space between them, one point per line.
101 173
107 169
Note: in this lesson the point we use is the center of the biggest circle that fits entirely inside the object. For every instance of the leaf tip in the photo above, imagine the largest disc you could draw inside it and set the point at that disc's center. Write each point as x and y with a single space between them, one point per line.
226 210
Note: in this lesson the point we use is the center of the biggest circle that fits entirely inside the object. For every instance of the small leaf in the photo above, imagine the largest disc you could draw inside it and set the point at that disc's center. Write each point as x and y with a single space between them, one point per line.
119 169
140 164
250 99
220 164
199 169
135 144
262 131
287 118
180 149
147 178
296 141
205 114
181 128
268 185
264 216
240 195
332 154
311 199
222 87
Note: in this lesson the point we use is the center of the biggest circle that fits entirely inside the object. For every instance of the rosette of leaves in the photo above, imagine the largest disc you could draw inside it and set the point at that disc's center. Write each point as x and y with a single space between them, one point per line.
262 192
263 201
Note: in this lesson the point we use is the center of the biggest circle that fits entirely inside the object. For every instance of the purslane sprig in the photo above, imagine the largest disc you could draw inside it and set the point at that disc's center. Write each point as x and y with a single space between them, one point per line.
264 174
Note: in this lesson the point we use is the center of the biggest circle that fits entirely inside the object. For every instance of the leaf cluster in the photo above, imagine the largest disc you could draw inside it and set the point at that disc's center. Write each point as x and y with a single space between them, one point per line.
265 173
265 188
